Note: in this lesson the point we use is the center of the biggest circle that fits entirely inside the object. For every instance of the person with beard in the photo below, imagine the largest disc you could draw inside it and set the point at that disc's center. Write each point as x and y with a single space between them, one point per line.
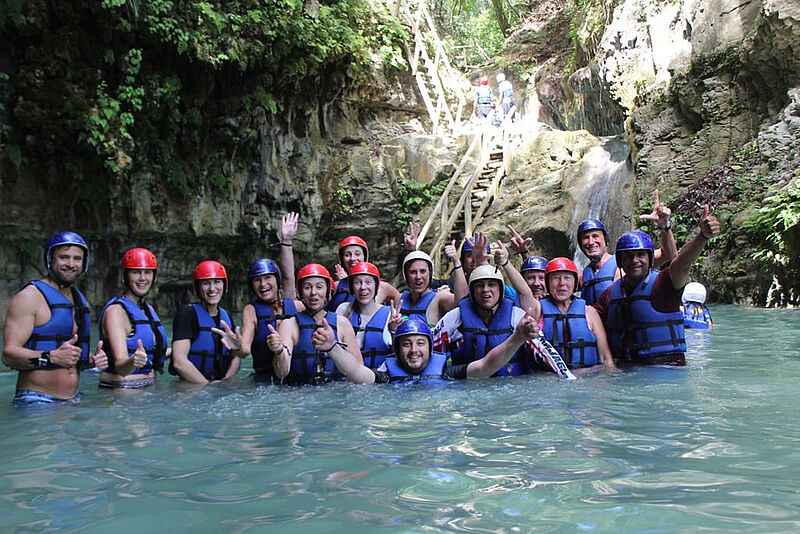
303 346
572 328
131 329
204 347
414 360
47 328
353 250
641 310
602 270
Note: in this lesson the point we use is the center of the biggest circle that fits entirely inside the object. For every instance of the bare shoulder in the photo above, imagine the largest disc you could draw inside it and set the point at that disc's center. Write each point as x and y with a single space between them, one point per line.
26 301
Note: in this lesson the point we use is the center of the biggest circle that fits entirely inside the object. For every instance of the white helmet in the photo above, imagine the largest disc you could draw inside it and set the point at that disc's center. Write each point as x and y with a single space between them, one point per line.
501 77
416 255
694 292
486 272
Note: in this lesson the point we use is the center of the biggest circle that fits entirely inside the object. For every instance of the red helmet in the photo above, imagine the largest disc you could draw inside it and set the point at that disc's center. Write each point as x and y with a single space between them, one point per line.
315 269
561 264
139 258
353 240
210 269
364 267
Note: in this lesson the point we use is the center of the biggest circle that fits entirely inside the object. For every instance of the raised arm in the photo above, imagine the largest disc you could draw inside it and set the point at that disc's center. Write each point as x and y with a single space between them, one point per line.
682 264
660 215
520 244
527 329
460 288
286 257
526 298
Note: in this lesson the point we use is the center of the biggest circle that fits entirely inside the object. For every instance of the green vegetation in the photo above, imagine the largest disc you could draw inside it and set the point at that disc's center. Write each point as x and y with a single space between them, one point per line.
412 196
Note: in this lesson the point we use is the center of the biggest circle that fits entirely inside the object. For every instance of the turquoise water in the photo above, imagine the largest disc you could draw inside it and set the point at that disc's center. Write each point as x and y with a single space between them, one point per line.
714 447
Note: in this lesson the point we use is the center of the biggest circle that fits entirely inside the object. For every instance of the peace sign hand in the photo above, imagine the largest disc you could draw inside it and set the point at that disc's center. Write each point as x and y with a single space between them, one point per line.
395 317
232 340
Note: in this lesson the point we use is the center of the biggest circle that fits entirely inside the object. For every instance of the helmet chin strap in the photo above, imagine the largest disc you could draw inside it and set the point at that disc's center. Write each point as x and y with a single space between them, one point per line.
57 280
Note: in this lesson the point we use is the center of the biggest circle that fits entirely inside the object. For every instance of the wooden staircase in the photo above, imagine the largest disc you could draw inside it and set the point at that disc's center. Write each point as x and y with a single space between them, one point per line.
480 173
438 82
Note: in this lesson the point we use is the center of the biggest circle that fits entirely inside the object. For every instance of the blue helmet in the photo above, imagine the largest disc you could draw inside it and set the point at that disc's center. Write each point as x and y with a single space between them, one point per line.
469 242
66 238
635 240
264 266
534 263
412 327
592 224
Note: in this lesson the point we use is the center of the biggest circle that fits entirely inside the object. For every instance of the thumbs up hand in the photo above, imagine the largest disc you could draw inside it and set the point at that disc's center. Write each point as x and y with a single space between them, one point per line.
322 338
99 357
139 357
709 225
274 340
68 354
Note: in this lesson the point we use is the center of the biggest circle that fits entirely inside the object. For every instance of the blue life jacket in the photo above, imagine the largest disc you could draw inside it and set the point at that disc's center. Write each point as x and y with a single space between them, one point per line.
595 284
569 333
636 331
206 351
696 315
418 310
432 372
342 294
506 89
374 349
146 327
484 95
58 329
308 365
479 338
511 293
262 356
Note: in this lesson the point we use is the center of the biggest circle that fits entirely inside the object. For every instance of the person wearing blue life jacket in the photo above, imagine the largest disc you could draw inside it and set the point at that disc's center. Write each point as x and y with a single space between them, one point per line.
206 344
641 310
486 318
303 346
130 328
533 267
414 360
472 256
371 321
572 328
353 250
483 99
695 311
506 92
420 301
47 328
602 270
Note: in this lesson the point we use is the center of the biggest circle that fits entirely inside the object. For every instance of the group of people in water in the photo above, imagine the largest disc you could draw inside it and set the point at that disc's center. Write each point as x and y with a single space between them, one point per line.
490 319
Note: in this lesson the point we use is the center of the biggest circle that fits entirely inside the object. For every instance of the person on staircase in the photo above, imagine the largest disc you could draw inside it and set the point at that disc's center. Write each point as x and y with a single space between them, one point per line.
206 344
353 250
602 270
641 310
506 93
574 329
483 99
131 329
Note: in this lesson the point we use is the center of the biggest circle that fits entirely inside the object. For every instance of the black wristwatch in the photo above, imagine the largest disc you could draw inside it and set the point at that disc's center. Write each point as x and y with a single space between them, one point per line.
42 361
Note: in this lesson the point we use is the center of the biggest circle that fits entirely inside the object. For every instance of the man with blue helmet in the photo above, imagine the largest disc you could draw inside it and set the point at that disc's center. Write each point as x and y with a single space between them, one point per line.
641 310
602 270
46 334
532 270
414 359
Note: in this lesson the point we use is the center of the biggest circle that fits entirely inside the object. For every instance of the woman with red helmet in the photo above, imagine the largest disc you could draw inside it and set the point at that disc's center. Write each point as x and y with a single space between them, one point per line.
206 345
574 329
371 321
353 250
130 328
302 345
270 306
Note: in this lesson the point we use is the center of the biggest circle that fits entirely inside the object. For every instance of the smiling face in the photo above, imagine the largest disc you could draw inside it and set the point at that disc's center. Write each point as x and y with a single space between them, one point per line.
265 287
139 281
535 281
486 293
561 285
635 263
593 244
364 288
350 255
418 275
414 352
66 264
314 293
211 290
